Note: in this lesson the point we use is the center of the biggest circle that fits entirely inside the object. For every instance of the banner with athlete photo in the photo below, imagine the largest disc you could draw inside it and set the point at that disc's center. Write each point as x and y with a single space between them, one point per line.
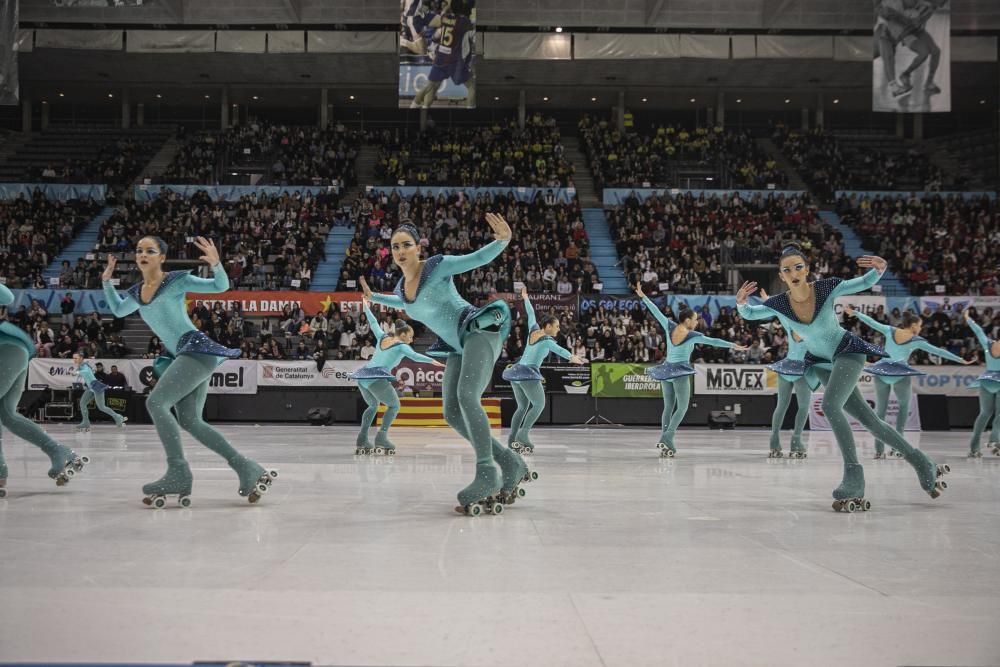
911 69
437 54
819 422
622 380
557 379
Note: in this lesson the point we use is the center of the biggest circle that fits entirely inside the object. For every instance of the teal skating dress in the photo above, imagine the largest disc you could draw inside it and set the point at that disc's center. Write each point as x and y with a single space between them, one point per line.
528 366
380 366
990 380
897 366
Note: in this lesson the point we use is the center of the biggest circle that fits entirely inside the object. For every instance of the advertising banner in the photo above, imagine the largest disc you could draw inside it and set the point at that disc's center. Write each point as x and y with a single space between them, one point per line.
306 373
819 422
561 379
734 379
271 303
234 376
621 380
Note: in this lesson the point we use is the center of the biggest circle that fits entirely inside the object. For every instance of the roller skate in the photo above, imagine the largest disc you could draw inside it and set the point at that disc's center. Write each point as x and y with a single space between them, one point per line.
83 428
515 473
667 449
850 495
975 454
177 481
122 423
254 480
362 447
66 465
482 494
775 453
995 448
383 446
3 480
525 448
797 450
928 473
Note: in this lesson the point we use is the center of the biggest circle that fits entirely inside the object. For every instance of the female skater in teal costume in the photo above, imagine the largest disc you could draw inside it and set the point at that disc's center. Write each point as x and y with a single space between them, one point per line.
894 373
674 371
16 350
184 374
92 389
989 392
471 339
375 381
790 379
526 378
807 309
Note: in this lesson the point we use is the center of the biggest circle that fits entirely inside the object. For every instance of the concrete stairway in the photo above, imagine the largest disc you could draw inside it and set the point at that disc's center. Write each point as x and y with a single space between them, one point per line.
84 243
603 252
582 177
891 284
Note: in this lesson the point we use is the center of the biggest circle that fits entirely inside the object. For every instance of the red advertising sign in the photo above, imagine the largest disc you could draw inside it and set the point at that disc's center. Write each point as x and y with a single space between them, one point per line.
271 303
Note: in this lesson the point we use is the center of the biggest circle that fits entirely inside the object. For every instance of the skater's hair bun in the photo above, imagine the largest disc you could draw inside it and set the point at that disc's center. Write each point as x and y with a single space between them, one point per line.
409 230
401 327
909 319
792 250
685 314
161 244
547 320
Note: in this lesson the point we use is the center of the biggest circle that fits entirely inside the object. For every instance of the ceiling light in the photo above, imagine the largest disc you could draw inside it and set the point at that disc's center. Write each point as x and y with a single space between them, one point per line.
559 29
787 101
111 94
644 99
159 97
62 94
739 100
496 99
692 99
207 96
351 97
836 101
593 99
545 99
982 101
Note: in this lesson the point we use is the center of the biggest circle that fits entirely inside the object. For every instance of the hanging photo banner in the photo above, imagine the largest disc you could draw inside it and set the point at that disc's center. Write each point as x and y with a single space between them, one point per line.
911 71
9 90
437 54
819 422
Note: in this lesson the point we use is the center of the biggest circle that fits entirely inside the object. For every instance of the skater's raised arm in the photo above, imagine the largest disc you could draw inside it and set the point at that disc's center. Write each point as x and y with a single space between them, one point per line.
373 323
410 353
665 322
871 323
453 264
388 300
119 307
218 283
529 310
718 342
6 296
940 352
861 283
747 311
978 332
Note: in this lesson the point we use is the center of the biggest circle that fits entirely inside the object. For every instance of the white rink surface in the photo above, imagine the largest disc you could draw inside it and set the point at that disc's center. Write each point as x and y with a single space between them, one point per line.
616 557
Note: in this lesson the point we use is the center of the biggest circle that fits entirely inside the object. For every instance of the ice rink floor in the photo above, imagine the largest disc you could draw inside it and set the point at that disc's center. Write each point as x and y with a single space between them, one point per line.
616 557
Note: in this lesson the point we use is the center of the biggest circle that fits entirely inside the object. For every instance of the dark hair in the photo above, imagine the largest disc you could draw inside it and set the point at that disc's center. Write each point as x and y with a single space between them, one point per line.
164 248
401 327
792 250
909 319
685 313
409 229
546 320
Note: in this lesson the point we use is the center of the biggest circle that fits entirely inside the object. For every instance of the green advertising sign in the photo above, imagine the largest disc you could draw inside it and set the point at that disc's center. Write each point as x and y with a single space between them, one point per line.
618 380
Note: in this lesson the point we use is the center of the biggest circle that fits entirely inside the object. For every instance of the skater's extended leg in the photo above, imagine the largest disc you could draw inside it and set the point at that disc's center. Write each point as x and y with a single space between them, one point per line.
882 391
385 393
995 433
987 407
535 393
103 407
84 409
368 418
778 418
667 389
13 373
523 403
904 391
682 397
803 395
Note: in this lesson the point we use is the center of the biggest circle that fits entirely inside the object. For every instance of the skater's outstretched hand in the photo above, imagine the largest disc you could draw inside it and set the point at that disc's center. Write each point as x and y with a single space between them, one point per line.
748 288
965 314
969 362
524 292
849 311
366 302
109 272
740 348
872 262
437 363
365 289
638 291
501 230
210 253
579 361
763 294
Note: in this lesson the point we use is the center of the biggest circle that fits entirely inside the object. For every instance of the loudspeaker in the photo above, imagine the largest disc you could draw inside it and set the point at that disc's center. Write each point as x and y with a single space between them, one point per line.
722 419
320 416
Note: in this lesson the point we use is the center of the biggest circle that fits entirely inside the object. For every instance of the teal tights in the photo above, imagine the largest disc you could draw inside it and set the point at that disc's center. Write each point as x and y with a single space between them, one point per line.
989 406
842 397
676 397
98 397
13 372
375 392
183 387
530 395
903 391
465 378
802 394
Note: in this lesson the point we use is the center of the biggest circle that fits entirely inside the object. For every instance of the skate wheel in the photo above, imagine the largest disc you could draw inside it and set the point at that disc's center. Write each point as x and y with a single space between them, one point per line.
184 501
379 451
866 505
942 485
273 474
660 445
261 488
521 493
84 459
850 506
253 497
944 469
159 502
473 510
495 508
3 493
69 472
531 476
670 453
391 452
